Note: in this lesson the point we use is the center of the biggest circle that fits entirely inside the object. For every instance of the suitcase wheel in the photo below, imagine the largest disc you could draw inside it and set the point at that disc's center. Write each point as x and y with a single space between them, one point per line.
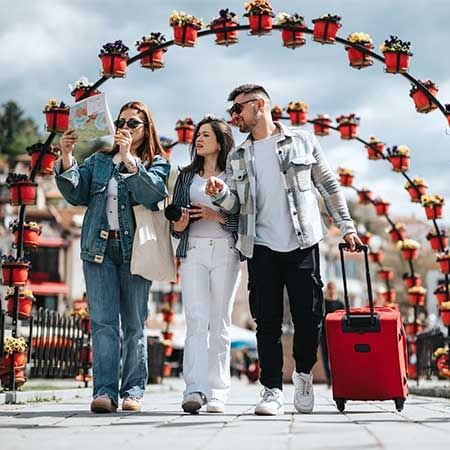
399 403
340 404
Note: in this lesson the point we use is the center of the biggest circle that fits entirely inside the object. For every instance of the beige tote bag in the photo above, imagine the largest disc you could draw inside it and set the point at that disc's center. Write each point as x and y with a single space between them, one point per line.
152 256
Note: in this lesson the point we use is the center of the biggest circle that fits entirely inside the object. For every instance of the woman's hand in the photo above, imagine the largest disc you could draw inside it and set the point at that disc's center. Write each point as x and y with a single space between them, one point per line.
180 225
205 213
123 139
67 145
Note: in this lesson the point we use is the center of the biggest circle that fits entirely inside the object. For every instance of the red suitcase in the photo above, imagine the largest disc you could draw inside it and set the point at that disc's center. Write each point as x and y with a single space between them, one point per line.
367 350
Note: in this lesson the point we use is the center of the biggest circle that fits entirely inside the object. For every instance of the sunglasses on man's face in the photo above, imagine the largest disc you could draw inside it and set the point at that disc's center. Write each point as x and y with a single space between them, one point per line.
130 123
237 107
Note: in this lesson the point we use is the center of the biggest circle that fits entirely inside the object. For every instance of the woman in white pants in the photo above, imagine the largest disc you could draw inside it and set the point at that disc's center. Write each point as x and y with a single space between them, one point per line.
209 270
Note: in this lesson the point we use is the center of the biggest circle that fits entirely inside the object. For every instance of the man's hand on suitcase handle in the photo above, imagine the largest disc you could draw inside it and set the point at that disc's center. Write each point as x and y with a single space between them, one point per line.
353 241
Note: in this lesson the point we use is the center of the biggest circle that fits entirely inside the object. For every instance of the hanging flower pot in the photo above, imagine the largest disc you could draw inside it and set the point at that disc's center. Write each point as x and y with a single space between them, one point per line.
293 35
170 297
82 89
260 14
298 113
185 28
376 257
365 196
168 335
24 303
421 101
47 162
167 370
114 58
348 126
322 125
412 329
444 262
396 55
357 57
365 237
168 316
56 116
397 232
168 350
385 274
326 28
438 241
441 294
375 149
22 191
416 189
441 362
381 207
399 158
15 271
226 19
185 130
14 353
277 113
416 296
31 233
409 249
154 59
388 296
433 205
444 310
345 176
412 280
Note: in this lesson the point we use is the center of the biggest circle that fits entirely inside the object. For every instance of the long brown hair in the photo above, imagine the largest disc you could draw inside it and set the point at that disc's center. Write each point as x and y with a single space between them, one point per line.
151 146
224 137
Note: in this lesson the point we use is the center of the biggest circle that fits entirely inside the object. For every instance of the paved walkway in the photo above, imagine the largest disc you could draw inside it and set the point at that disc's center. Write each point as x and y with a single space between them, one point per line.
424 424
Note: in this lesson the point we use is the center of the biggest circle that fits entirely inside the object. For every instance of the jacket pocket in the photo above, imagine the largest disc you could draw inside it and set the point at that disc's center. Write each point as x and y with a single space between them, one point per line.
301 172
240 178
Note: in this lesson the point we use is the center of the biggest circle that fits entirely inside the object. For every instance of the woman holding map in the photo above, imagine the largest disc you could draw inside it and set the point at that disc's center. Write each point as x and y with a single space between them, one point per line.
110 182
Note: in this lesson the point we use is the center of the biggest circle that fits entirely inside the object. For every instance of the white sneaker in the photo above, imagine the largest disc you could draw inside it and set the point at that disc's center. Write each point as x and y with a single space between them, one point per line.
215 406
193 402
272 402
304 392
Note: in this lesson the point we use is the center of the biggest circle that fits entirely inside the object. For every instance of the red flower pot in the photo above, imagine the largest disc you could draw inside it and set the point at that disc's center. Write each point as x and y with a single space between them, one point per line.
416 192
30 237
167 370
87 355
375 150
385 274
433 211
365 238
19 360
416 299
410 254
357 58
260 23
85 324
168 350
365 197
325 31
388 296
444 265
298 118
81 93
226 37
348 130
382 208
24 305
396 62
168 316
346 180
441 297
445 317
15 274
154 60
321 127
168 335
438 242
293 38
185 36
413 330
23 193
422 102
276 116
47 164
400 163
376 257
411 281
57 120
185 134
397 235
114 65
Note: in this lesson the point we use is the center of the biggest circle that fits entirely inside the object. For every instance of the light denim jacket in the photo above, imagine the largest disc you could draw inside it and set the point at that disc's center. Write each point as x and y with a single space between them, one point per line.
303 166
87 185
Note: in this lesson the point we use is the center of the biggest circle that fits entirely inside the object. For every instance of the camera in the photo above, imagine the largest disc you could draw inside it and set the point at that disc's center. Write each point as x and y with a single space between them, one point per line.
173 212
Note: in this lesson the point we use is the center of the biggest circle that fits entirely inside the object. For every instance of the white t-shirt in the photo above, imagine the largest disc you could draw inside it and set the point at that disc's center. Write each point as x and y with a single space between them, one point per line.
274 228
205 228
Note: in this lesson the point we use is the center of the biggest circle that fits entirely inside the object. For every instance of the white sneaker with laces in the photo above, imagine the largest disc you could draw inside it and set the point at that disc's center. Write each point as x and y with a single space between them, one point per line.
272 403
215 406
304 392
192 402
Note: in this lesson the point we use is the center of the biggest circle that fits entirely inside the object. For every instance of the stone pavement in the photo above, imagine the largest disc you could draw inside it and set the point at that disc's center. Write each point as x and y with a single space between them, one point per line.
67 424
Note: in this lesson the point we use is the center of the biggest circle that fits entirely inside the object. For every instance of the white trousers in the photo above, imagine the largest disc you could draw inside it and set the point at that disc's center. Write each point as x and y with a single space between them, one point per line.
210 275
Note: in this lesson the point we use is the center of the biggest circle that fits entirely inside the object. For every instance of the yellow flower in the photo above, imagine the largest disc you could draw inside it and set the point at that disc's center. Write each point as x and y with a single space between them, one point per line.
359 38
344 171
444 306
417 290
407 244
432 199
298 106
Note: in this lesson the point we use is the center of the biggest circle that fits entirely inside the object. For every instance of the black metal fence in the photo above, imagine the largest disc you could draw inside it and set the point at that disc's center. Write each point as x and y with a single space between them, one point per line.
427 343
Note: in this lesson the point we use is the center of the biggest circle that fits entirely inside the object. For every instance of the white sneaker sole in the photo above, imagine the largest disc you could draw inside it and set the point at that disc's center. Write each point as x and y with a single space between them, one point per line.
269 412
214 409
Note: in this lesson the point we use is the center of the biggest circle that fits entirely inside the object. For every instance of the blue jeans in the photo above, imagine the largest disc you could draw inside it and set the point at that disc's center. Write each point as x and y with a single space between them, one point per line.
113 291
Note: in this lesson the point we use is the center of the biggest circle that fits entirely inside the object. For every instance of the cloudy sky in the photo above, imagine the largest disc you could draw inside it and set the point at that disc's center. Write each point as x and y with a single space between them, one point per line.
51 43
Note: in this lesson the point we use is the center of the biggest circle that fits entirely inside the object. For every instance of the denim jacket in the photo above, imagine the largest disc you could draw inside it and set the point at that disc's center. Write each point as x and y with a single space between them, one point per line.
87 185
304 167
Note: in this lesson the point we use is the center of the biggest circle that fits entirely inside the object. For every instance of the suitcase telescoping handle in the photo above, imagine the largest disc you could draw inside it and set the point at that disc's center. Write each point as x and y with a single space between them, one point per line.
360 321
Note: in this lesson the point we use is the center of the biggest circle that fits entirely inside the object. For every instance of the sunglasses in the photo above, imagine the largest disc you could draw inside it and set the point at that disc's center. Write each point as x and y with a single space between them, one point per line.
130 123
237 107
